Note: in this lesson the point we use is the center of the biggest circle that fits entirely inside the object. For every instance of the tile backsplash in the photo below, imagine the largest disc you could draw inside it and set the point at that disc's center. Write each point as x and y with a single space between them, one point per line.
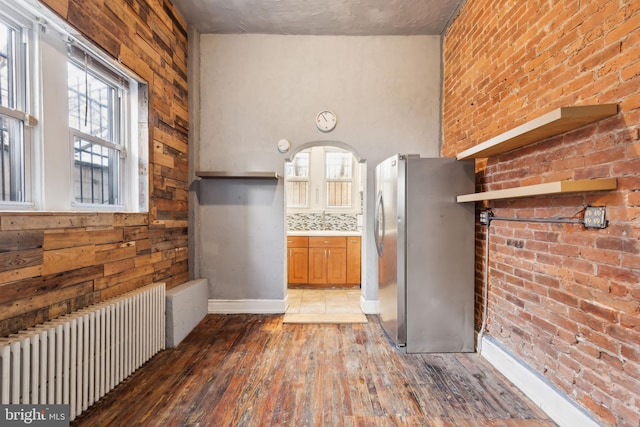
319 222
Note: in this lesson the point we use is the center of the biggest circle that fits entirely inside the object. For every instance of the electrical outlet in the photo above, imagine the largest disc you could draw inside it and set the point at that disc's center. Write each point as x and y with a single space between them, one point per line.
484 217
594 217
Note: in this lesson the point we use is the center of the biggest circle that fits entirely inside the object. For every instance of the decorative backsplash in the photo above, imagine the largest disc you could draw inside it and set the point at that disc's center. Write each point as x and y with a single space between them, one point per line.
319 222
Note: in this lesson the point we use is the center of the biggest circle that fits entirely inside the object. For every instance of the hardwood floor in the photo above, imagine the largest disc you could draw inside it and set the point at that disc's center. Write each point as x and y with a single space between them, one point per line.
253 370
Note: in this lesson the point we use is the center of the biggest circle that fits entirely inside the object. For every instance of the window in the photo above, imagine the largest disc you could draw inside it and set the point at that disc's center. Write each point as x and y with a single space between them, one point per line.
297 175
96 111
14 135
339 179
322 179
72 111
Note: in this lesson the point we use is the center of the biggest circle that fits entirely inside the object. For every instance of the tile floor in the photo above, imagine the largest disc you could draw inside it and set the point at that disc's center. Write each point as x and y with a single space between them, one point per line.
317 301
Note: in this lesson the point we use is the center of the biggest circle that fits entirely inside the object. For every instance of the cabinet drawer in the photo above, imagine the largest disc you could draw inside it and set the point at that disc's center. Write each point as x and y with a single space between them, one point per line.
297 241
327 242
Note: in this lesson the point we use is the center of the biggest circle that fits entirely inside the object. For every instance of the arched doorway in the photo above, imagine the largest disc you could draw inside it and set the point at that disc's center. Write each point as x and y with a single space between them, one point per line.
325 198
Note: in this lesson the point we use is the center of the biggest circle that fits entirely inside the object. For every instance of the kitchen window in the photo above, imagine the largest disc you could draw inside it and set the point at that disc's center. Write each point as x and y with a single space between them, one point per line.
322 179
297 175
339 179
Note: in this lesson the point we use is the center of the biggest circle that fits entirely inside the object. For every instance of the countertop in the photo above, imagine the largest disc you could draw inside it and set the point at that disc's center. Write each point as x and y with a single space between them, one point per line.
327 233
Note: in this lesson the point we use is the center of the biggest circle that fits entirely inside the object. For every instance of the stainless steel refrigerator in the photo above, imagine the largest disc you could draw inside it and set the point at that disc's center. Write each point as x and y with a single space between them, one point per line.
425 242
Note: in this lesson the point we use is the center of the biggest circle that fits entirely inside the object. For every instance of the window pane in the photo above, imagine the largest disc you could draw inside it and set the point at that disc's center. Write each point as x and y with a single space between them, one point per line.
92 104
96 173
7 68
297 193
338 165
299 167
339 194
11 160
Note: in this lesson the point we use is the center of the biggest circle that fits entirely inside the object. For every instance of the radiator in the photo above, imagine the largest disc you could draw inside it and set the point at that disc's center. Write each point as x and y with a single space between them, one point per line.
76 359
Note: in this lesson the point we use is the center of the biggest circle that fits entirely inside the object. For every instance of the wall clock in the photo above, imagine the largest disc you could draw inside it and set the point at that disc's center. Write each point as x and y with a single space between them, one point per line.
326 121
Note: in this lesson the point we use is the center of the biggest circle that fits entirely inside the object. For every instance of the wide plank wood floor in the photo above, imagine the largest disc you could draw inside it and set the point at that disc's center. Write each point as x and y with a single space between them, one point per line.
253 370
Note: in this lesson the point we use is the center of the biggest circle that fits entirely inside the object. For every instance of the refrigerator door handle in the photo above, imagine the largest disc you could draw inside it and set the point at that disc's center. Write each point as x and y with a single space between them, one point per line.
379 218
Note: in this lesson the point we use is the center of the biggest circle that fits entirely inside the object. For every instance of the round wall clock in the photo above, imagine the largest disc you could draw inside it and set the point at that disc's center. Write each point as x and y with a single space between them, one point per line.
326 121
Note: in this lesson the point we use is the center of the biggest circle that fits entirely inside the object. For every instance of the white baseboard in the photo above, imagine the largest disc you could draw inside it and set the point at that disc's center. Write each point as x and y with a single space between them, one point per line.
247 306
554 402
369 306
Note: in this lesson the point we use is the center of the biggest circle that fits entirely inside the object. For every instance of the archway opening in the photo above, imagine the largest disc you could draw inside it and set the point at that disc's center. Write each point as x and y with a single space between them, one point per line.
325 200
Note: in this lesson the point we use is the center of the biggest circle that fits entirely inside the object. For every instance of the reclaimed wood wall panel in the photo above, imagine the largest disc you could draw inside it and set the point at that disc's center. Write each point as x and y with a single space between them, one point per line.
71 238
54 263
18 240
59 260
20 259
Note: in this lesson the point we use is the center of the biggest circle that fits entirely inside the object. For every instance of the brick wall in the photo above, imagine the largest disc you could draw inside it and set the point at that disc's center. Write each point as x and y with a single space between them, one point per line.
564 299
52 264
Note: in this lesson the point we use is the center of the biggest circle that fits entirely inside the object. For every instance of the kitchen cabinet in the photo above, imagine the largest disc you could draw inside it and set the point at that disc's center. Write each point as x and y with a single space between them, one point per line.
331 260
298 259
328 260
353 260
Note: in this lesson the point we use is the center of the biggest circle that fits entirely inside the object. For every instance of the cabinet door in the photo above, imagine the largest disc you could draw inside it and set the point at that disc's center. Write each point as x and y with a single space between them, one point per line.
318 265
297 264
353 260
337 266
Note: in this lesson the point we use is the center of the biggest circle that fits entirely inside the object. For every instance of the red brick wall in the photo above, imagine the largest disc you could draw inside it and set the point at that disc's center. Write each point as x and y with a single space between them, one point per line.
54 263
564 299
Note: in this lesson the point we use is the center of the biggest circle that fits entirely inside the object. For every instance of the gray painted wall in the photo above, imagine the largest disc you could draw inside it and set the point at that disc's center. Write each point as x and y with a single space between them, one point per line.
257 89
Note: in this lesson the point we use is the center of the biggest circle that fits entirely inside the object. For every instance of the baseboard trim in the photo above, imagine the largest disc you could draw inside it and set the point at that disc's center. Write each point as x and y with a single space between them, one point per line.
369 306
553 401
247 306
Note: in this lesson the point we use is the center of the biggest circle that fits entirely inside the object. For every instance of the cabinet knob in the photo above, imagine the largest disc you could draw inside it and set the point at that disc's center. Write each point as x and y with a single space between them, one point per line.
326 242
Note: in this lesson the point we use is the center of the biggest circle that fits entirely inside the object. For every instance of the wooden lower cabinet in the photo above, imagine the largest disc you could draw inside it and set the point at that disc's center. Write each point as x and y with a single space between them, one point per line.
328 266
333 260
353 260
298 265
298 259
317 265
337 266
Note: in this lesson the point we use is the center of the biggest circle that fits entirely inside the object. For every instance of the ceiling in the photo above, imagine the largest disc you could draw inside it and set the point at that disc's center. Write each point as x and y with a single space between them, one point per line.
319 17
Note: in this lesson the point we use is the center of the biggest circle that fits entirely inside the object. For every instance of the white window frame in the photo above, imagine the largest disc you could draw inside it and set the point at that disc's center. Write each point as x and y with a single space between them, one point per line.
119 127
119 150
305 179
328 180
317 191
51 158
22 108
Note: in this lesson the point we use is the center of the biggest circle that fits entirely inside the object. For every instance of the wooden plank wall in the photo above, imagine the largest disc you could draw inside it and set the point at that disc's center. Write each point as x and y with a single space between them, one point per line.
54 263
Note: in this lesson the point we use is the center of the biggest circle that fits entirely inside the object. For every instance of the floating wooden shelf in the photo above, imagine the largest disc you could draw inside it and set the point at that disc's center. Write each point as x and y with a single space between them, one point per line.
553 123
556 187
236 175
